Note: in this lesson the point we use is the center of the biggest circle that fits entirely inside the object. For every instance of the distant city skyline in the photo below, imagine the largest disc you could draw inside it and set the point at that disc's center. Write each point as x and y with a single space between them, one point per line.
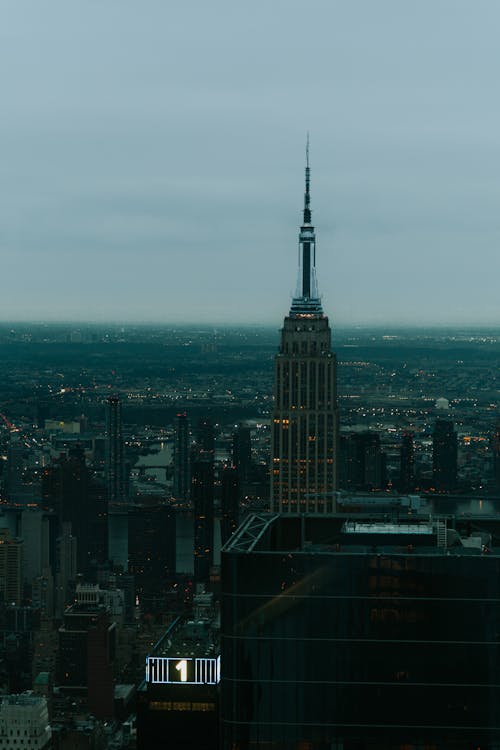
153 155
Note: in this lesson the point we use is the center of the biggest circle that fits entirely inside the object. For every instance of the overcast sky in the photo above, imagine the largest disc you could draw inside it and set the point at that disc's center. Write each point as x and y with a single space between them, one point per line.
152 158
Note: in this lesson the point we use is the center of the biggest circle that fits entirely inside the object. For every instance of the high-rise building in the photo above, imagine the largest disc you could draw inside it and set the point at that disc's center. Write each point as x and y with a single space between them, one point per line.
444 455
305 418
35 530
407 463
495 453
362 462
151 552
202 495
352 635
118 537
86 654
178 703
202 498
181 457
242 450
205 440
115 473
66 566
11 568
37 572
230 492
17 458
69 490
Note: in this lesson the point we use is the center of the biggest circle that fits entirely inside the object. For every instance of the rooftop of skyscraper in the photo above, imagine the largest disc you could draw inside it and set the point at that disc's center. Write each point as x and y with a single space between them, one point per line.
340 533
189 637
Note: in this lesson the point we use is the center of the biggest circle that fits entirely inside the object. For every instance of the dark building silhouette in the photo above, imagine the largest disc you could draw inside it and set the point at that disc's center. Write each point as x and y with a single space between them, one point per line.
205 440
15 488
444 456
305 418
362 462
348 463
69 490
367 636
242 451
151 552
115 468
11 567
126 582
85 657
202 496
407 463
179 699
230 492
182 479
202 499
495 451
66 568
372 461
118 537
42 413
19 630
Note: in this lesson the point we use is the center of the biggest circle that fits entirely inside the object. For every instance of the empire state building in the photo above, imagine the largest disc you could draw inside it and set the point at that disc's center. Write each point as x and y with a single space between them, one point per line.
305 418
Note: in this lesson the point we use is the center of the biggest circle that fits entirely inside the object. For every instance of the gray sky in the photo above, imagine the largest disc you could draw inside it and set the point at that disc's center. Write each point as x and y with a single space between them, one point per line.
152 158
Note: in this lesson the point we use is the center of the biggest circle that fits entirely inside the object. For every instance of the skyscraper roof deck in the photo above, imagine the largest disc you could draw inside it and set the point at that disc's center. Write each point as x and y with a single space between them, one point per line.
196 638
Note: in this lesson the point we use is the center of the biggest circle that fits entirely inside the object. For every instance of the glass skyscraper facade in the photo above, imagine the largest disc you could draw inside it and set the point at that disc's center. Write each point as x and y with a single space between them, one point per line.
359 636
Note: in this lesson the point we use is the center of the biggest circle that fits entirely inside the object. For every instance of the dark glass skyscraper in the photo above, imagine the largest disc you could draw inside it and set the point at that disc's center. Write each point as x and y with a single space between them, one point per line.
16 453
115 472
305 419
444 455
87 639
230 491
181 457
69 490
242 450
178 702
206 436
407 463
362 462
495 452
151 552
359 636
202 497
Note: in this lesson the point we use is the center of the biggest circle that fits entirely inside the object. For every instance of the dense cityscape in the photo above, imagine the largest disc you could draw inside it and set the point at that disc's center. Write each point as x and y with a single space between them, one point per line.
75 544
249 375
240 540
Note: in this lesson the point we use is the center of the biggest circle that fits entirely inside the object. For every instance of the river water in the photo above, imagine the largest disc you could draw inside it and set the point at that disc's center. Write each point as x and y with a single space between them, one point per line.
155 465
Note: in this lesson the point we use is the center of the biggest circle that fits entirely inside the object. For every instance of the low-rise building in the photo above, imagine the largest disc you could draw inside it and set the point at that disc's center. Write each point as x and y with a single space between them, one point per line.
24 723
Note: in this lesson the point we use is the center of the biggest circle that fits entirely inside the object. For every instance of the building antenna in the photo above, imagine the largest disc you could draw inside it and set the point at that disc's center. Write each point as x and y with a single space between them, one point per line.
307 197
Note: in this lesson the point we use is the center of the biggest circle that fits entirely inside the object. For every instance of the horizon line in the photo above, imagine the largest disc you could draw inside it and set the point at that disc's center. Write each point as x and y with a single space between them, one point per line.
245 324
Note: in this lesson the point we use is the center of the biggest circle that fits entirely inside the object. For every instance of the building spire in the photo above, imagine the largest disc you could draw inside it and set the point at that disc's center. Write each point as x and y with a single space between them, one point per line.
306 300
307 197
